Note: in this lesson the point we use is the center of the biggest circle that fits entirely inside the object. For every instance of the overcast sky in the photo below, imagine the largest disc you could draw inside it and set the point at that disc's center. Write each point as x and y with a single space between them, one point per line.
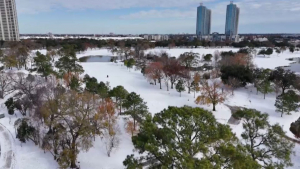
152 16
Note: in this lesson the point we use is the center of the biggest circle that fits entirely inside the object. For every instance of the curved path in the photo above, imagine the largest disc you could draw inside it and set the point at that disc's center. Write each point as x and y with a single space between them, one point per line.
6 149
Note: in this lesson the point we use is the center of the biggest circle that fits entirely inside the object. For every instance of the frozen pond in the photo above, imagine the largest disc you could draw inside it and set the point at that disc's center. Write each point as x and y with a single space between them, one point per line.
98 58
295 66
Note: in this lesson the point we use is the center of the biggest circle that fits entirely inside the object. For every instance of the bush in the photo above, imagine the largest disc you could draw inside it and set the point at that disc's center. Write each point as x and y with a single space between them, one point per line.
241 73
206 76
208 57
10 106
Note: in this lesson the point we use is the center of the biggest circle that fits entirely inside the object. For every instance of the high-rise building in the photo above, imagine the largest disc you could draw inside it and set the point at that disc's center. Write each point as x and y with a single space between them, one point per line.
203 21
9 27
232 19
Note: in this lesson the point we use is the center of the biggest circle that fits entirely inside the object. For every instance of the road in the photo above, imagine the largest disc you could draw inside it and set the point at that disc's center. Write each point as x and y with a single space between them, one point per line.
6 150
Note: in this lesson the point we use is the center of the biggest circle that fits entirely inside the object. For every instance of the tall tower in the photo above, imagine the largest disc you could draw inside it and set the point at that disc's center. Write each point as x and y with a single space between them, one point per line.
203 21
9 27
232 19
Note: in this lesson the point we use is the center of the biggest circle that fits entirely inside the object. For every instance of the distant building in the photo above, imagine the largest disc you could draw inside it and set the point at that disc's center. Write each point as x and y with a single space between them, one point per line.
203 21
232 20
156 37
218 37
9 27
264 39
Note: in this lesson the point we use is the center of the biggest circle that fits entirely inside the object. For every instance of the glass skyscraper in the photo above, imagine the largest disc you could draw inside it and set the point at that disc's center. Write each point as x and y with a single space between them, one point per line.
203 21
9 28
232 20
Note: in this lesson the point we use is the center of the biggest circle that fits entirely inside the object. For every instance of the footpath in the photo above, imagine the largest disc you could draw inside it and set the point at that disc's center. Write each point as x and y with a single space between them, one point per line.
6 149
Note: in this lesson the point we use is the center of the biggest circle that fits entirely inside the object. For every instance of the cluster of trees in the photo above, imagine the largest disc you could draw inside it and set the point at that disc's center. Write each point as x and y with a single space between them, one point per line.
192 138
174 72
238 72
64 113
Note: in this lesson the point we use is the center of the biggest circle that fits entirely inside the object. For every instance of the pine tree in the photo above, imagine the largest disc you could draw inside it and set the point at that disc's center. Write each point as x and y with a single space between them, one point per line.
136 108
120 94
265 87
173 137
287 102
43 64
265 143
180 87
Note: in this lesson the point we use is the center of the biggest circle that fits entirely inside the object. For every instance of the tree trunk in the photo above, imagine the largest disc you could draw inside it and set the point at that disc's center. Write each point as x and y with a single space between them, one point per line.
172 84
134 124
281 113
283 90
189 90
180 94
160 84
74 155
264 95
1 94
214 107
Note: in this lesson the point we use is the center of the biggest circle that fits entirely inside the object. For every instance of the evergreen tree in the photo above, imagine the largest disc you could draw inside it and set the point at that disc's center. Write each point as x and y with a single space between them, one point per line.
75 84
130 63
265 143
173 137
180 87
208 57
287 102
284 78
67 64
120 94
102 90
278 51
26 132
91 84
292 49
43 64
10 106
189 59
136 108
265 87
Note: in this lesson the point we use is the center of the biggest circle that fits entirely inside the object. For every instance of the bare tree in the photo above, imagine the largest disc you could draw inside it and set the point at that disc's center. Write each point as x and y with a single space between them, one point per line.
216 57
6 84
188 79
233 83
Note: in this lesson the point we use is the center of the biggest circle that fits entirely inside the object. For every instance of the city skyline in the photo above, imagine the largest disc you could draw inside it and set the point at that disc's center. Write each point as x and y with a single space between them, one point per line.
161 17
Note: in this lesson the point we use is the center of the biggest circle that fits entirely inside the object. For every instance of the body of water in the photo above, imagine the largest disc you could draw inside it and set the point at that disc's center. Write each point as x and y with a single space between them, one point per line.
98 58
295 67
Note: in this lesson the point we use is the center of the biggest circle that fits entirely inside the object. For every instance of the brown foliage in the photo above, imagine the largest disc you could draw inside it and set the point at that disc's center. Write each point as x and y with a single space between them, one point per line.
154 71
238 59
130 128
211 94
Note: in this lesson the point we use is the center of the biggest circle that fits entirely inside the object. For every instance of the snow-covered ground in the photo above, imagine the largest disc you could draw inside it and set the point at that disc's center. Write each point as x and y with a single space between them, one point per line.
270 62
29 156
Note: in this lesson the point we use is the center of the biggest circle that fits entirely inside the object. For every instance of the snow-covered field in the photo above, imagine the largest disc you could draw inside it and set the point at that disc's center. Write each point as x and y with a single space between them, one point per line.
270 62
29 156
